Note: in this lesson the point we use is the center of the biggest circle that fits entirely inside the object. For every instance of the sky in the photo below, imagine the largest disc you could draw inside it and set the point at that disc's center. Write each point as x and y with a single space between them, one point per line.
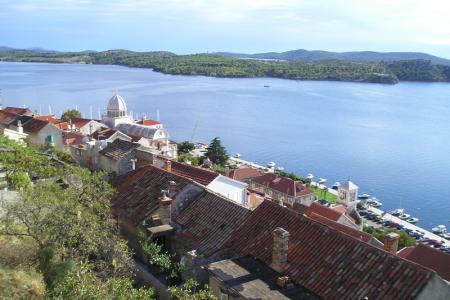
246 26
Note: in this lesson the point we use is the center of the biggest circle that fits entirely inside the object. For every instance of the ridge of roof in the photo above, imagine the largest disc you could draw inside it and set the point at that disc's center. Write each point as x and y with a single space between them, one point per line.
326 261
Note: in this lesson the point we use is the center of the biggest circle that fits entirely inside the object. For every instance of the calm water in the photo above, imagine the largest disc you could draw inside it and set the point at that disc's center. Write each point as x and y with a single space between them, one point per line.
392 140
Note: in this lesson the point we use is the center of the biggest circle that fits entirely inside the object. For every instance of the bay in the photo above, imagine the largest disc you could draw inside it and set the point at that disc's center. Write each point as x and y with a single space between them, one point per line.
391 140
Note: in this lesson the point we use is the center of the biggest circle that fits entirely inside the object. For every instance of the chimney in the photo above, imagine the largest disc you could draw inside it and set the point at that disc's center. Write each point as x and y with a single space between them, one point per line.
19 126
133 163
168 166
172 187
165 208
280 249
391 242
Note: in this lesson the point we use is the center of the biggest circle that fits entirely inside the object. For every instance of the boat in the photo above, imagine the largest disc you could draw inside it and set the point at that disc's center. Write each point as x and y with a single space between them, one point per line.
266 86
271 164
280 169
310 176
363 196
374 202
404 216
321 181
336 185
237 155
397 212
412 220
439 229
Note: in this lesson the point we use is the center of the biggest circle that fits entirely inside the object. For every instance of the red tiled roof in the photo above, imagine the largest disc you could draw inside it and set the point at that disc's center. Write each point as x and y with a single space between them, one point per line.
208 223
49 118
148 122
428 257
103 134
244 173
79 122
63 125
34 125
360 235
202 176
327 262
73 138
4 115
323 211
139 190
283 184
17 110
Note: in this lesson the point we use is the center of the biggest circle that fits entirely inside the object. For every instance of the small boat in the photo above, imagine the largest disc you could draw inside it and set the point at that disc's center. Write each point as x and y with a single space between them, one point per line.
280 169
397 212
310 176
336 185
374 202
266 86
412 220
321 181
363 196
237 155
271 164
439 229
404 216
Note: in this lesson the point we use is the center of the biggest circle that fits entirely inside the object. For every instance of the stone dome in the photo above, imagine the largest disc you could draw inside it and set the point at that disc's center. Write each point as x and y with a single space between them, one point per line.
116 106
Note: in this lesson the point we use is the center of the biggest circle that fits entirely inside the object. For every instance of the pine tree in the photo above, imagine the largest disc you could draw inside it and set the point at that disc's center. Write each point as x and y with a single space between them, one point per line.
216 152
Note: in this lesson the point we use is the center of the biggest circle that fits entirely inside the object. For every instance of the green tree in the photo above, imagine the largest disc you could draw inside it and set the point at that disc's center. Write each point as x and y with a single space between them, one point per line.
71 113
185 147
217 153
191 291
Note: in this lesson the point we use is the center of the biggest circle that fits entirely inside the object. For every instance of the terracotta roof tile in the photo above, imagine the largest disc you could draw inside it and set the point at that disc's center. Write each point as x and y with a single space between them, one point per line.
34 125
244 173
428 257
49 118
79 122
208 222
138 192
202 176
327 262
283 184
148 122
323 211
17 110
118 149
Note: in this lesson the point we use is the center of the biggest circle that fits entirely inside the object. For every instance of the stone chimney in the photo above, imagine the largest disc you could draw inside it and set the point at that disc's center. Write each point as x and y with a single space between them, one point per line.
391 242
165 208
280 249
172 188
168 166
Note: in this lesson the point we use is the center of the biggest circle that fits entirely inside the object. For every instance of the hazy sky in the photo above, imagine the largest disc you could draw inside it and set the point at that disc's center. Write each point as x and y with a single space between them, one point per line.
249 26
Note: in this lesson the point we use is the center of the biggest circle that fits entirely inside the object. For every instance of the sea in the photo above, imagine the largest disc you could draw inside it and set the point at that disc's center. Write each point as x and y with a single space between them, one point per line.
393 141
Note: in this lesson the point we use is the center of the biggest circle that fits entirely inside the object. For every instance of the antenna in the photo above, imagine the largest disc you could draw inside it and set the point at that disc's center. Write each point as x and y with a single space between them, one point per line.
194 131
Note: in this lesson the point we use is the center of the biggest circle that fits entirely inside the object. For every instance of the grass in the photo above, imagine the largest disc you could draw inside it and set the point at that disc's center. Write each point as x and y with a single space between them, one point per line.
322 195
18 278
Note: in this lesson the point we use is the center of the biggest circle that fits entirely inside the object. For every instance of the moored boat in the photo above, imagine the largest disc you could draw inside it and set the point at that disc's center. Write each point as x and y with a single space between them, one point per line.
237 155
404 216
271 164
374 202
412 220
397 212
439 229
336 185
364 196
310 176
321 181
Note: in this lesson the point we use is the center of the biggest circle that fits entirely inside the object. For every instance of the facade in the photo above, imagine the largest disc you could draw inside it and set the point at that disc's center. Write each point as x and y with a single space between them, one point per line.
347 193
282 189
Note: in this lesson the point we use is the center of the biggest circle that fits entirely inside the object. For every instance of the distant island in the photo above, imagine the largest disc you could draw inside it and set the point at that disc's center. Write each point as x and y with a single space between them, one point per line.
373 67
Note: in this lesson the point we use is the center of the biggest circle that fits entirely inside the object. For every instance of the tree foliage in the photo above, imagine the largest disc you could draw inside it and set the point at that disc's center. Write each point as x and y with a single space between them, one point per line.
380 232
185 147
69 114
190 291
217 153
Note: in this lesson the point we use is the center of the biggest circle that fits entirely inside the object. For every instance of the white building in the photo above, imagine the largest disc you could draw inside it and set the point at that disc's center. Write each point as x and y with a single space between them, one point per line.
116 112
347 193
230 188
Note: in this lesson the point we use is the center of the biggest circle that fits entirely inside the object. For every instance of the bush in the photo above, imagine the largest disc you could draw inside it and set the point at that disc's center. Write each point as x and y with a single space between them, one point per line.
19 180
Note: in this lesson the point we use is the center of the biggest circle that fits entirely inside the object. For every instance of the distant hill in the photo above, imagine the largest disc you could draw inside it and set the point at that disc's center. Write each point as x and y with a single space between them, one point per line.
4 48
316 55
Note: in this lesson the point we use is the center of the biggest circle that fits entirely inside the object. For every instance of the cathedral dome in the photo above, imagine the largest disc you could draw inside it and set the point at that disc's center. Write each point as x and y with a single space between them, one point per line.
116 104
